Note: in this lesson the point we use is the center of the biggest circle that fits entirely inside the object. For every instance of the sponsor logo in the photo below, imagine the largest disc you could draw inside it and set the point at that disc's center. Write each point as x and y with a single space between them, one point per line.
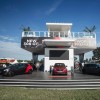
31 42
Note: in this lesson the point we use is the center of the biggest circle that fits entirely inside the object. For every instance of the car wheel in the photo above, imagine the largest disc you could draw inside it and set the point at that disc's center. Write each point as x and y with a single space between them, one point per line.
52 73
66 74
10 73
83 71
99 73
30 72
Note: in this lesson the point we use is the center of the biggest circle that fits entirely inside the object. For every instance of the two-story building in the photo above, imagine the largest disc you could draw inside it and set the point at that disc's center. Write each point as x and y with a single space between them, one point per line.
58 44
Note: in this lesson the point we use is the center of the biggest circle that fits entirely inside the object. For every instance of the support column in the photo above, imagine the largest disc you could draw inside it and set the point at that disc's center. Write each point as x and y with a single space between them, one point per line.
81 57
35 57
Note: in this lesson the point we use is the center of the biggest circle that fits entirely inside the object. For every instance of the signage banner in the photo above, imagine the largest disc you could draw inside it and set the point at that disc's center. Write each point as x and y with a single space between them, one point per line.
32 42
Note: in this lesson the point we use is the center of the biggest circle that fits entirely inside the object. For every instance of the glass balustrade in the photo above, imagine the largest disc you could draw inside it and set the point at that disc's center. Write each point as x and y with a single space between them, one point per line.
62 34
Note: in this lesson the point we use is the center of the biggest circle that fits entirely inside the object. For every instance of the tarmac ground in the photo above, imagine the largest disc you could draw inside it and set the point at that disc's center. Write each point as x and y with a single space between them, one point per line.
40 75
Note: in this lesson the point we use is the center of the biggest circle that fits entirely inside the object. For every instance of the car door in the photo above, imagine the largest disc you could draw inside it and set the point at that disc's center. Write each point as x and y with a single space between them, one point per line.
93 68
19 69
87 68
22 68
96 68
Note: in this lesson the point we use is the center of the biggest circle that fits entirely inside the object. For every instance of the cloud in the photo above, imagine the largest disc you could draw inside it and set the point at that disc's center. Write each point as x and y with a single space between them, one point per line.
88 55
13 50
10 47
54 7
8 38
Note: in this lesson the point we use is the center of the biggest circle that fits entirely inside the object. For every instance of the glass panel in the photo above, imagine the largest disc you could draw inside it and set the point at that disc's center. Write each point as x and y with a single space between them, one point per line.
25 33
56 34
61 34
81 34
66 34
51 34
76 35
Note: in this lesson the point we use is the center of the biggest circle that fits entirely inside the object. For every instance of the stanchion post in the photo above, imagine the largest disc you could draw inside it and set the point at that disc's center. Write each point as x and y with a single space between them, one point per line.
72 71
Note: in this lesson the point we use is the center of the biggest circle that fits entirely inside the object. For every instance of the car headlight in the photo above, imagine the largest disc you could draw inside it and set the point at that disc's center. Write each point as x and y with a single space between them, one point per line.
6 70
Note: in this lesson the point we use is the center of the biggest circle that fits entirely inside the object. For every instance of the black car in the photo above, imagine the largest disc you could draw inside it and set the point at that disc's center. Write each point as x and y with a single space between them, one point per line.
19 68
91 68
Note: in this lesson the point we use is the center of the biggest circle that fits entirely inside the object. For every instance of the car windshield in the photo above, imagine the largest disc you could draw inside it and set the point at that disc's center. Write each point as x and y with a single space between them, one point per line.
98 65
59 64
12 65
16 65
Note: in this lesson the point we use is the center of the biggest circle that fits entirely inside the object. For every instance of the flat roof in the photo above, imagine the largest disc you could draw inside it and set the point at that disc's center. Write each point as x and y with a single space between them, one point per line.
59 26
58 23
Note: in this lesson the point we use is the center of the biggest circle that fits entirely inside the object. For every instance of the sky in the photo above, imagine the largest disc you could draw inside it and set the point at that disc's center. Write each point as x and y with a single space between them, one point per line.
14 14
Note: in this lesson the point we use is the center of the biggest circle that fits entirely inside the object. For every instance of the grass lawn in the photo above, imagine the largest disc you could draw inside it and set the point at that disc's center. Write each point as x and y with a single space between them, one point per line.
20 93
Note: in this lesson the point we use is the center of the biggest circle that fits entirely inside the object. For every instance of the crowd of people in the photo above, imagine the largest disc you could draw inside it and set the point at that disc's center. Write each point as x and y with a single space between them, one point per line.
79 65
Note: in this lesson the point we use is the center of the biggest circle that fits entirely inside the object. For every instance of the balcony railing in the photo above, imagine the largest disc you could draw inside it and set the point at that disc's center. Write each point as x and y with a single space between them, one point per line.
62 34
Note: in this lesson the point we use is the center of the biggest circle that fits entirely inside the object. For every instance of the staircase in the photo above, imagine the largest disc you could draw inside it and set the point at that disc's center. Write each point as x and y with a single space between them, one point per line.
64 84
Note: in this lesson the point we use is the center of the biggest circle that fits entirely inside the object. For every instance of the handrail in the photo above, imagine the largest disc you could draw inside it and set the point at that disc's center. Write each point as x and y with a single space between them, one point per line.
64 34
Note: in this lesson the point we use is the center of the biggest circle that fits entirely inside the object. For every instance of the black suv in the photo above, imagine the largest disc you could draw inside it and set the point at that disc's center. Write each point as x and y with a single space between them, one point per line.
91 68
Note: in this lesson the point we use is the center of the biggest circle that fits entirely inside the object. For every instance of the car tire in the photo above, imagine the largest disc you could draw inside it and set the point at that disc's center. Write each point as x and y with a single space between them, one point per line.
83 71
30 72
99 73
66 74
52 73
10 74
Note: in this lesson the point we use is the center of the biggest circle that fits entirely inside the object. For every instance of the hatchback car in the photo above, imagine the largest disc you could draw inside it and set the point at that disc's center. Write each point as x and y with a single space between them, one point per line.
59 68
19 68
91 68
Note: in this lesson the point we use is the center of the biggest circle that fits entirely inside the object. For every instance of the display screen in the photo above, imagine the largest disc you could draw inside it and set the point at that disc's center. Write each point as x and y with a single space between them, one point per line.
59 54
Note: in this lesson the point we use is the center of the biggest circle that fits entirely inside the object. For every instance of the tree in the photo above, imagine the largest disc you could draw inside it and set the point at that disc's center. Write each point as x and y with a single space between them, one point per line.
20 61
86 60
90 30
25 28
96 54
90 60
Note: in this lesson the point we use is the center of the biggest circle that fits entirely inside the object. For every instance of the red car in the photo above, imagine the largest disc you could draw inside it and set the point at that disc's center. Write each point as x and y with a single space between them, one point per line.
59 68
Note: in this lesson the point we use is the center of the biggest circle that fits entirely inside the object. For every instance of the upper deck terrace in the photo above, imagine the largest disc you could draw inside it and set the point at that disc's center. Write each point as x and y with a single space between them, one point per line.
58 35
81 41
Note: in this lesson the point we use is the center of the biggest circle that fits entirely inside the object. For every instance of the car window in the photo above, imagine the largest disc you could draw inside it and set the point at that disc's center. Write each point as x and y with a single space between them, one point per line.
98 65
87 65
21 65
16 66
92 65
12 66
